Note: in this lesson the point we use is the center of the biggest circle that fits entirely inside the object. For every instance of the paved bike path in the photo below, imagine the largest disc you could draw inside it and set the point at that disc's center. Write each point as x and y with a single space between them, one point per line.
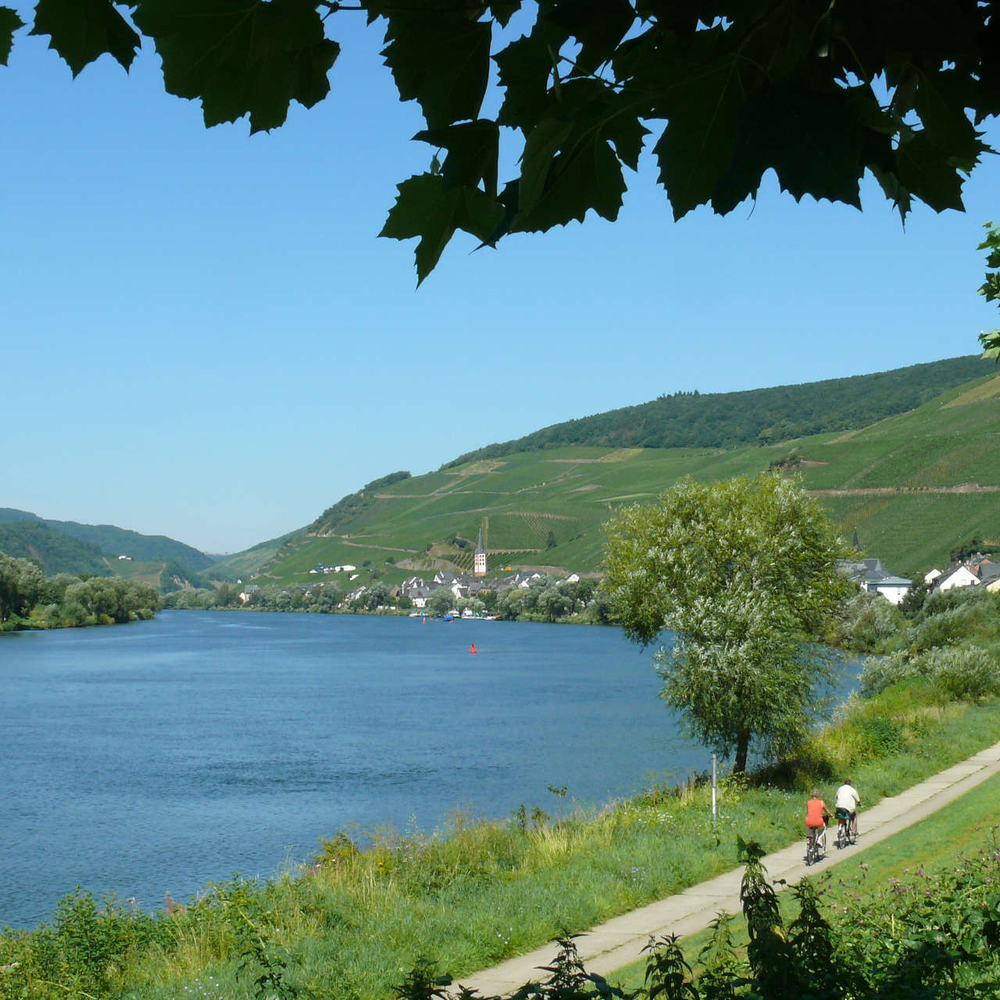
620 941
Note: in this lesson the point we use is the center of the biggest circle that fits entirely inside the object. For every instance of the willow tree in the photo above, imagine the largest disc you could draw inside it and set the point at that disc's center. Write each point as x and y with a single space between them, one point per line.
744 573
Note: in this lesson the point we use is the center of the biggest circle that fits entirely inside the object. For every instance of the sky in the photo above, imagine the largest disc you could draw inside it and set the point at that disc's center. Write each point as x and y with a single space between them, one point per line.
202 336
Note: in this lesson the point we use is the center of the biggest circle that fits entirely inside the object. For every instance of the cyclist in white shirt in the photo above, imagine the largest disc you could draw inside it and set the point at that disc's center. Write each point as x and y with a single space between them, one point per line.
847 801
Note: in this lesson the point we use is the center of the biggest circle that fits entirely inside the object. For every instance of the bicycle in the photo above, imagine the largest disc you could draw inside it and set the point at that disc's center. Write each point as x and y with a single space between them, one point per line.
847 834
815 846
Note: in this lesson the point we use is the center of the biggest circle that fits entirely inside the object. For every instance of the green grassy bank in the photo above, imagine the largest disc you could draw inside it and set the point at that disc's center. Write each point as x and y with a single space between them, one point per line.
888 891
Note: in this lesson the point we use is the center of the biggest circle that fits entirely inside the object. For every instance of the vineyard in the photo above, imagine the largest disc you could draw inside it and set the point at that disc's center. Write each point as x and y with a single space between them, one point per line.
914 486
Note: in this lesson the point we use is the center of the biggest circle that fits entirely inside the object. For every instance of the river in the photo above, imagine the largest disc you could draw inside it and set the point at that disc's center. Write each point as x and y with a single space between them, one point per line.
155 757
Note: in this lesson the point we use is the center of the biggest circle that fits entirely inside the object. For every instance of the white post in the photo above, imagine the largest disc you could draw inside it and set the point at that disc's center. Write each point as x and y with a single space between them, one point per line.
715 793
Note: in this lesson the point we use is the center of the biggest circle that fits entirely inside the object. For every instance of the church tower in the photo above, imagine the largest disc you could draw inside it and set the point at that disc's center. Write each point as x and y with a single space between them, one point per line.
479 563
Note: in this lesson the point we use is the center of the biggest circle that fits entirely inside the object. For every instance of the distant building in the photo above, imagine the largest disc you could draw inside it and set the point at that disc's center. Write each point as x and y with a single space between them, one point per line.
961 576
872 576
479 562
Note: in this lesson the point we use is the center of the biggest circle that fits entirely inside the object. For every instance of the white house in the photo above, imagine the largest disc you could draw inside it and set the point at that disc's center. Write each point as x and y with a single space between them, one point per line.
960 577
892 588
931 575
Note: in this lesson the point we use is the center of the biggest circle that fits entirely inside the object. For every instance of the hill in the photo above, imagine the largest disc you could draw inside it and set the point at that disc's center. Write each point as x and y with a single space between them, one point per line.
113 541
756 416
914 485
243 565
53 550
72 547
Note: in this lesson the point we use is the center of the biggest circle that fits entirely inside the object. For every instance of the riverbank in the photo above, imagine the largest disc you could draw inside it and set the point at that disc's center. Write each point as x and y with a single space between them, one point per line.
478 892
611 947
29 600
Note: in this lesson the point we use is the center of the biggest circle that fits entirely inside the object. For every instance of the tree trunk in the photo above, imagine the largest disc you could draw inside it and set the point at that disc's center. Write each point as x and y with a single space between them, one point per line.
742 746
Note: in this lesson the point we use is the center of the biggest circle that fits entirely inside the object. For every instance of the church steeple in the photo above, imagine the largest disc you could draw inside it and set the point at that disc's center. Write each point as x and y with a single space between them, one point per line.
479 562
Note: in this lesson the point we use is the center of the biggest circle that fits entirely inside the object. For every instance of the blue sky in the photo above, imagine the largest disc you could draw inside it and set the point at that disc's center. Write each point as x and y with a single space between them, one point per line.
203 337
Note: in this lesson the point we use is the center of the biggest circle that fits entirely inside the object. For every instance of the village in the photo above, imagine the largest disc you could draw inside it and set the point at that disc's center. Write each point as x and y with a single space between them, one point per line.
542 594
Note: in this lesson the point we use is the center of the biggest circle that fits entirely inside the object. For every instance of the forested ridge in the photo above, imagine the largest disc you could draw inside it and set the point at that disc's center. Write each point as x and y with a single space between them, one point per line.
114 541
754 416
53 550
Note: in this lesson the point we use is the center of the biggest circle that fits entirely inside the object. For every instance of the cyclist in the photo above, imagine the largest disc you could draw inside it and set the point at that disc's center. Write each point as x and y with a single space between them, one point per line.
847 802
816 819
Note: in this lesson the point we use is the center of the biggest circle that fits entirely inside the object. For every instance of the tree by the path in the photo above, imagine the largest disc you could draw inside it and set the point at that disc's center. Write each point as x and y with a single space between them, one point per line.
818 92
744 573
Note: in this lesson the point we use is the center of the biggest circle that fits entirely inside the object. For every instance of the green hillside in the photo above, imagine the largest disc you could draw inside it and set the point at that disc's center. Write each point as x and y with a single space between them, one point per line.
913 485
756 416
243 565
54 551
113 541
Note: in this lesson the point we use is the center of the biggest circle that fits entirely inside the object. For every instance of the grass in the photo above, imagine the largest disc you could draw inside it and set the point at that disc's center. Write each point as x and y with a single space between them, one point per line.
965 828
476 892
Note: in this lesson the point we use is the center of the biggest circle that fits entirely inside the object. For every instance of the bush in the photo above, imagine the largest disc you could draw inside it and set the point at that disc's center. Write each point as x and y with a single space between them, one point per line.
881 738
964 673
879 672
869 620
958 597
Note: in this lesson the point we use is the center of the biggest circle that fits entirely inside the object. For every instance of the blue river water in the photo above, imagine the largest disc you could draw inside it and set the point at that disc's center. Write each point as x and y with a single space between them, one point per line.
155 757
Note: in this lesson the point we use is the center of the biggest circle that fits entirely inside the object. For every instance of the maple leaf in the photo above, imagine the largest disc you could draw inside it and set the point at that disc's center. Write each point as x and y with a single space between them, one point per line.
598 25
82 30
567 170
441 62
819 93
9 23
928 172
818 153
428 209
473 151
524 69
241 57
696 148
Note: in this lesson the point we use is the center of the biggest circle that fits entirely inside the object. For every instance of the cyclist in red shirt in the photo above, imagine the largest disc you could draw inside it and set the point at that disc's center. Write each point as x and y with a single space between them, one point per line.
817 815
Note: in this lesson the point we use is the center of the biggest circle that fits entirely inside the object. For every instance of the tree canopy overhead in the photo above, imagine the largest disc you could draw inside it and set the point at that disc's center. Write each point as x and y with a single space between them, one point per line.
819 92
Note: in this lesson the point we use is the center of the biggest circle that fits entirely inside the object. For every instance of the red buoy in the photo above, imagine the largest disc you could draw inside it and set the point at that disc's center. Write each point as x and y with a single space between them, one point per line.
472 648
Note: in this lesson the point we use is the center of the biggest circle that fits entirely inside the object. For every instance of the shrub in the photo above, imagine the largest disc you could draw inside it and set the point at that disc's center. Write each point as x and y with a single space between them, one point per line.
869 620
963 673
949 627
881 738
879 672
